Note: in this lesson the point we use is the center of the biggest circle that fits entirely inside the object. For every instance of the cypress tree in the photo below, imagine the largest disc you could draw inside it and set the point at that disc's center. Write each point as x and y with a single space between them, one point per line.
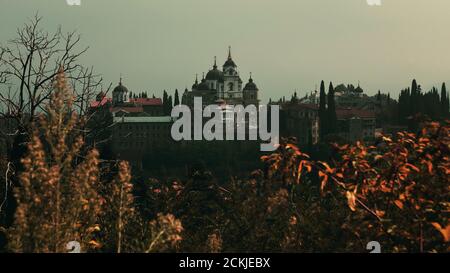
413 107
177 98
294 98
444 101
165 103
322 111
401 106
169 105
447 106
331 111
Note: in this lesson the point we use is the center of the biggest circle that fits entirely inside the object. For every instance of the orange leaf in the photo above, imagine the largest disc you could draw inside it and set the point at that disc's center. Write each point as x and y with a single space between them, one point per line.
324 180
380 213
411 166
328 169
94 244
430 167
351 200
378 157
444 231
399 204
308 168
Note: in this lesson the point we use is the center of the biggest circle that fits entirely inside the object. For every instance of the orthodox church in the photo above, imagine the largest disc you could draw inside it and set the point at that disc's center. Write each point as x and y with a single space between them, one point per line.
223 86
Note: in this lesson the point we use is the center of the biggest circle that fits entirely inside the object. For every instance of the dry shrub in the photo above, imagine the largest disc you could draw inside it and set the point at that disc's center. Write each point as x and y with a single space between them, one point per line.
61 197
57 198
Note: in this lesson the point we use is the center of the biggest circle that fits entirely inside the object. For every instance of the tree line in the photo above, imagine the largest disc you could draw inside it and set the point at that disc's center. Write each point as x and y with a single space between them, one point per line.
327 111
169 103
413 101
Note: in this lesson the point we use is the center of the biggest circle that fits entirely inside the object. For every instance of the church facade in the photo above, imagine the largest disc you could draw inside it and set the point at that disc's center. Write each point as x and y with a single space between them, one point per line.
140 126
223 86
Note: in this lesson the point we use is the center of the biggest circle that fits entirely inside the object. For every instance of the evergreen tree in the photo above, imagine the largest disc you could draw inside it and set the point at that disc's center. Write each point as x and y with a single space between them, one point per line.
322 111
414 99
165 103
294 98
331 111
404 105
447 106
444 101
177 98
430 103
420 106
169 105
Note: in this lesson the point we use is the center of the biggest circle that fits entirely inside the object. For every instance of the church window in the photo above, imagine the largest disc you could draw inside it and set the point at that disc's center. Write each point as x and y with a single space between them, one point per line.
230 86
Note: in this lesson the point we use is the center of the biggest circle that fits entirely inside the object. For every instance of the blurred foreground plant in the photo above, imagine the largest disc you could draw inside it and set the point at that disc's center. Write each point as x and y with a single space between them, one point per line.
57 198
61 197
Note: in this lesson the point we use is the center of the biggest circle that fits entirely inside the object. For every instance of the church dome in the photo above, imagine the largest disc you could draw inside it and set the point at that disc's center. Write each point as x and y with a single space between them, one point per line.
203 86
120 88
359 89
250 86
214 75
195 85
229 62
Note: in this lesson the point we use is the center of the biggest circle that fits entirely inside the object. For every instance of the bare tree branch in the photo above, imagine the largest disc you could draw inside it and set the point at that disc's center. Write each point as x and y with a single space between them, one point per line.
29 64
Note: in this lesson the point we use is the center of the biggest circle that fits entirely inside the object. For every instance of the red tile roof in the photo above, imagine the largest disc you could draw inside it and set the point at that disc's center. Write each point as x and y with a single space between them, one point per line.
100 103
147 101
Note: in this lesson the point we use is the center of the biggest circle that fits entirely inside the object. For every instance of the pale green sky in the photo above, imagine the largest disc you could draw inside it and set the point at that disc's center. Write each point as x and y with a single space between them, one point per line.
287 44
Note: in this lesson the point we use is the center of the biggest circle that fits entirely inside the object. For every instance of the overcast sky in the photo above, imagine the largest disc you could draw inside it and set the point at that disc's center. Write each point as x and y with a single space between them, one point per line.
287 44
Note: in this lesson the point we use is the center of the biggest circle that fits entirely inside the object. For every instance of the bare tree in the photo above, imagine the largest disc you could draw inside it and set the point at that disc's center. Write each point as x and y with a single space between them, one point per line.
29 64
